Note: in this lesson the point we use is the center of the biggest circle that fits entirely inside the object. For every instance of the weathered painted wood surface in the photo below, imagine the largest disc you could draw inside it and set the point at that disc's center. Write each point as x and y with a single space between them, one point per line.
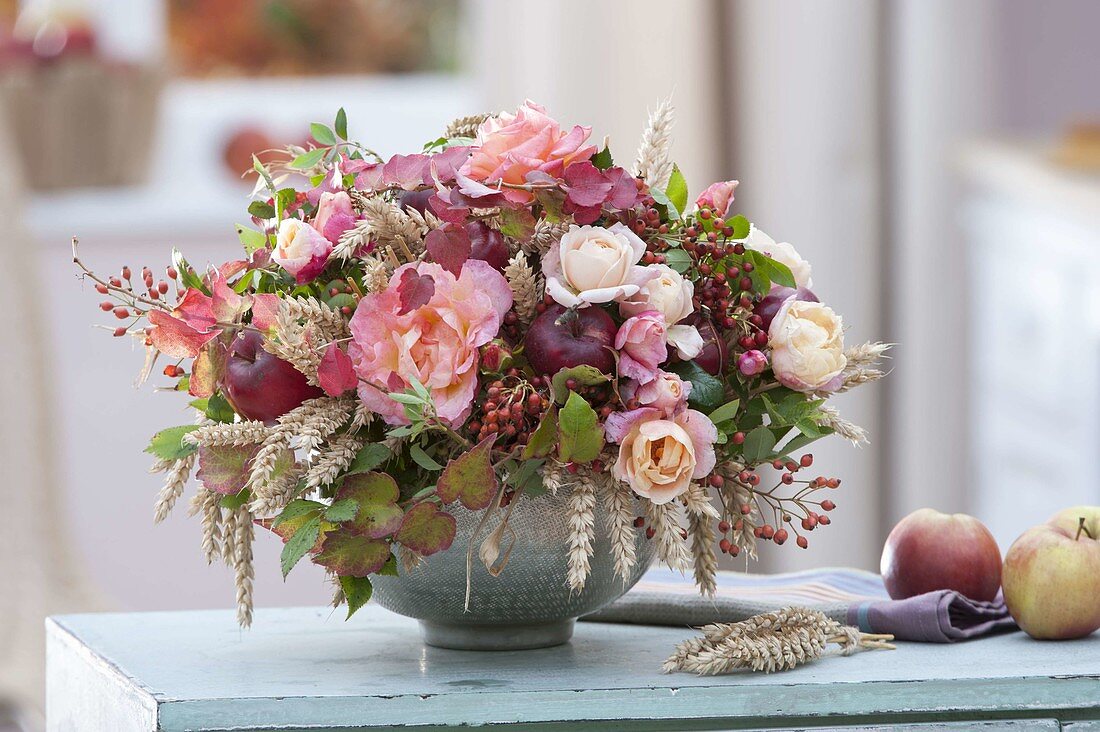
306 668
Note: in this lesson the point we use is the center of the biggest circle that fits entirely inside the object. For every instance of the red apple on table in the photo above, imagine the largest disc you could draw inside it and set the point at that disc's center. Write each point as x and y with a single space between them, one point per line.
259 385
1052 576
560 338
929 551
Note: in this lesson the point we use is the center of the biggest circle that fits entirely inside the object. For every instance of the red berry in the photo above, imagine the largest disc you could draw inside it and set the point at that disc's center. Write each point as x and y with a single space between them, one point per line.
746 509
121 313
806 460
823 520
738 438
106 306
809 523
650 532
828 505
725 545
734 550
717 480
101 289
802 542
768 531
639 522
777 464
120 331
780 536
787 479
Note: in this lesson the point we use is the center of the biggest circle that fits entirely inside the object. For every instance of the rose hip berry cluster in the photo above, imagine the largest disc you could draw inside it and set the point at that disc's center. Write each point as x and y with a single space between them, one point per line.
512 410
129 302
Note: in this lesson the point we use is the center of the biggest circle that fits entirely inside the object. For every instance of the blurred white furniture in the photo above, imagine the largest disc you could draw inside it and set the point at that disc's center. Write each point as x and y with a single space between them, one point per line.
1033 261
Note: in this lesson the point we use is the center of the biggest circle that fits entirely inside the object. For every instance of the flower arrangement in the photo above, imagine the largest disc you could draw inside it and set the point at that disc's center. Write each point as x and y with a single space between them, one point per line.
505 313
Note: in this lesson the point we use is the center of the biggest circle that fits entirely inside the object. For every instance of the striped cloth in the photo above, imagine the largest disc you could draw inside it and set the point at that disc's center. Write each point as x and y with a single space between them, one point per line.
850 596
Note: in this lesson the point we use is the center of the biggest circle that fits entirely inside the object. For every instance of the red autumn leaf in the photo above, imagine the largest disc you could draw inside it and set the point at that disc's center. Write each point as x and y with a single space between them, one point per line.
406 171
173 337
582 215
196 309
414 290
427 530
265 308
449 247
470 477
335 372
227 306
444 166
441 205
376 493
224 469
349 555
588 186
624 189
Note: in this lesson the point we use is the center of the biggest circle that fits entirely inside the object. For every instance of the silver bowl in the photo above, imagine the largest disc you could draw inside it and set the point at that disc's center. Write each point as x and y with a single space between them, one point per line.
529 604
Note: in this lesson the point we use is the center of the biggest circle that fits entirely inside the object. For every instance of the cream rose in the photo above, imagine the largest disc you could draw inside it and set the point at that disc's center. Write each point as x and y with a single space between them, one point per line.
660 455
595 265
781 252
807 344
669 293
300 249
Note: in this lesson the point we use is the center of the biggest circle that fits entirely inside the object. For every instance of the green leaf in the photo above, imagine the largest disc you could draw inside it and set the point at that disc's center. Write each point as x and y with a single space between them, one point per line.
322 133
583 375
261 170
542 441
602 159
470 477
251 239
342 510
308 159
740 225
527 479
517 223
707 392
342 123
423 459
297 507
168 444
677 190
775 271
725 412
261 210
369 457
357 590
426 529
376 495
284 198
406 398
225 468
580 436
354 556
678 259
232 503
758 444
187 272
662 201
297 546
812 429
219 409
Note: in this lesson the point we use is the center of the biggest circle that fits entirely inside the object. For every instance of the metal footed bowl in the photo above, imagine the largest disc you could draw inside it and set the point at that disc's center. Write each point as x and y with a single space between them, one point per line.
528 605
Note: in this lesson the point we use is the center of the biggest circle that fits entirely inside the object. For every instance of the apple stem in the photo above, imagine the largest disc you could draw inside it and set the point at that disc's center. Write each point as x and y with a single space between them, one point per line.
1082 528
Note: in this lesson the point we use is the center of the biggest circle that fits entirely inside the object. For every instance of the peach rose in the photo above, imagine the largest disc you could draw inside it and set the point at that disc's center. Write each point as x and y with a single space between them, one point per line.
807 344
300 249
437 342
659 455
595 265
509 146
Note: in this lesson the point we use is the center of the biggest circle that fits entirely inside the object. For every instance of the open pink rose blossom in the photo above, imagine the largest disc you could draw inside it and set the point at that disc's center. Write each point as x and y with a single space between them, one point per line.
509 146
659 454
642 345
435 342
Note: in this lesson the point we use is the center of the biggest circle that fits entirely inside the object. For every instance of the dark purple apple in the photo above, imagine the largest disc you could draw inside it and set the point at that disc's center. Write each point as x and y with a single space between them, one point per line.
769 306
714 356
259 385
559 339
488 245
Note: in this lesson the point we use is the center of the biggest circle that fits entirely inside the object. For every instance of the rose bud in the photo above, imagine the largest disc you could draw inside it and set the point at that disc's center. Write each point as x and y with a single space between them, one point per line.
496 357
752 362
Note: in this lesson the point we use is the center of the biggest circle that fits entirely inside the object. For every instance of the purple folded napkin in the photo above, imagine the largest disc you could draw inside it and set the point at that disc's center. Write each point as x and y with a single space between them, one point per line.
849 596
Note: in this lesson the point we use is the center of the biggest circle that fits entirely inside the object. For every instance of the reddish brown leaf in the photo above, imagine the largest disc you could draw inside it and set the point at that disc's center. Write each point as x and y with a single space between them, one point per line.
173 337
588 186
414 289
376 493
470 477
449 247
349 555
335 372
265 308
407 171
224 469
427 530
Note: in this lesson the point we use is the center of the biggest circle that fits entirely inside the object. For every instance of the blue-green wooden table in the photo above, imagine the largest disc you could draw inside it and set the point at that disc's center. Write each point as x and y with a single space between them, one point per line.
307 669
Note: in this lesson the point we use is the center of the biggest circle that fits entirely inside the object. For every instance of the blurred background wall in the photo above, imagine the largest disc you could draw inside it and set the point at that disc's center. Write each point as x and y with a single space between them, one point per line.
917 152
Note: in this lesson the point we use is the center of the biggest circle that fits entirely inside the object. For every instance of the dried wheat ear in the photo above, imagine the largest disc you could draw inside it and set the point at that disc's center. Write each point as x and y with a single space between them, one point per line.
775 641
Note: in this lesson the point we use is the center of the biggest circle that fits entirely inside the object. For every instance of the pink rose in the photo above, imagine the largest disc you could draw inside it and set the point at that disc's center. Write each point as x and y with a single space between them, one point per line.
335 215
659 454
718 197
435 340
300 249
670 293
668 392
509 146
641 342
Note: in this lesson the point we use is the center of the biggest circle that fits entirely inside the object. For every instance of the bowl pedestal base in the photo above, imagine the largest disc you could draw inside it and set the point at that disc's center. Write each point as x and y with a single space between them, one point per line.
497 637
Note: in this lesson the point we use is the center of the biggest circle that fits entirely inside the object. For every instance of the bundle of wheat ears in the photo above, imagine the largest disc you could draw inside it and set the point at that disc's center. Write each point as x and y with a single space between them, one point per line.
775 641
